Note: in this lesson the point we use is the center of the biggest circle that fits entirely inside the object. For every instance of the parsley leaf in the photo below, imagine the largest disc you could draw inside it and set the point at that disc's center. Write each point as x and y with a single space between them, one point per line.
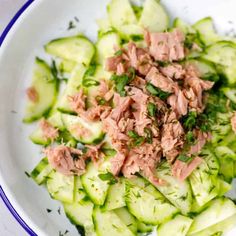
190 120
118 53
157 92
190 138
108 177
120 82
185 158
136 139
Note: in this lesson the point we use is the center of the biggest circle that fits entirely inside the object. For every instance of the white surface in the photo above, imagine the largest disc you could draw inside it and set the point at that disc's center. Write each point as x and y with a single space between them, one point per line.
30 33
8 224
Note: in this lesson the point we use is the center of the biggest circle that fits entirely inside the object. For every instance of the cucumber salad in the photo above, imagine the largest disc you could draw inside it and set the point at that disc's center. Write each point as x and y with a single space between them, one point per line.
138 129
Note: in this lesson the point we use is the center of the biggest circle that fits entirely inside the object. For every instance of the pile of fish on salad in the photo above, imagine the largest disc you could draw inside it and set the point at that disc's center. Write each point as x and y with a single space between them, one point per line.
153 108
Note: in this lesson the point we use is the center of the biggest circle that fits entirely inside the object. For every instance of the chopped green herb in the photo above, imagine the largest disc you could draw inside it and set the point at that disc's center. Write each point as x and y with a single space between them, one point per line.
136 37
185 158
190 138
59 210
157 92
152 109
148 137
71 25
132 73
27 174
118 53
109 151
120 82
136 139
190 120
137 11
90 82
48 210
86 198
108 177
90 71
163 63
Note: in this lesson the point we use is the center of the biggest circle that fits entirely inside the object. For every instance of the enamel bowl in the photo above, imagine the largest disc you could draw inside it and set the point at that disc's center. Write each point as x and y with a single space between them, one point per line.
36 23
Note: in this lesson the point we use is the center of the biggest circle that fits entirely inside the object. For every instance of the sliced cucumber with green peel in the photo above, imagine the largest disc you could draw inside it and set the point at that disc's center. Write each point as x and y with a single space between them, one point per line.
132 32
95 187
78 49
224 54
144 228
41 171
116 196
206 69
150 208
67 66
206 31
45 87
203 184
72 88
37 137
127 218
61 187
179 193
108 223
218 229
83 131
104 26
183 26
80 213
154 17
120 13
216 211
106 46
178 226
56 121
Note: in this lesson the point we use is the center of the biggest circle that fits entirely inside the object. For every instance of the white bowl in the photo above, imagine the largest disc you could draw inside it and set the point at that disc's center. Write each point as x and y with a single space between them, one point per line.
37 23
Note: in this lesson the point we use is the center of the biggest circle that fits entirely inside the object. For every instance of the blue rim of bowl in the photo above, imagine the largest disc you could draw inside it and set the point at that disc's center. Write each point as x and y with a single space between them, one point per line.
2 193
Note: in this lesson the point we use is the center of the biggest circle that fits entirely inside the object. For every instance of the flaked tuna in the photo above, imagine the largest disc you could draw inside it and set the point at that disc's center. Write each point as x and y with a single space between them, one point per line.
32 94
49 132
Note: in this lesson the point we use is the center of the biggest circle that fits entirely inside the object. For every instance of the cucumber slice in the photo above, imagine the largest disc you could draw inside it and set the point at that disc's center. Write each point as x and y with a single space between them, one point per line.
108 223
131 32
116 196
37 137
206 69
46 87
73 87
78 49
104 26
224 54
106 46
80 213
150 208
41 171
216 211
183 26
211 161
94 129
179 193
206 31
127 218
203 184
120 13
56 120
218 229
178 226
95 187
67 66
144 228
61 187
79 192
230 93
154 17
223 187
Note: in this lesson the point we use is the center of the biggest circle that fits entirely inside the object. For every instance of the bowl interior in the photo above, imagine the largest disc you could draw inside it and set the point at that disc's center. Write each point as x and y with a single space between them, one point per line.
41 22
